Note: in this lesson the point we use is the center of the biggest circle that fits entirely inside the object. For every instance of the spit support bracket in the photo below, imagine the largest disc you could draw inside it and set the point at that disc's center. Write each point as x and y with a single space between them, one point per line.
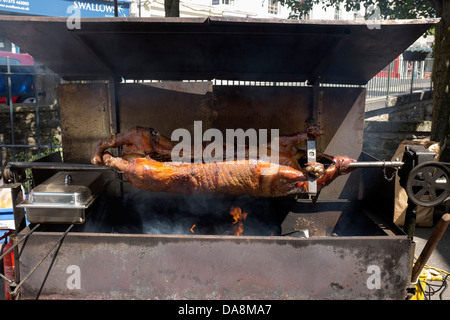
315 119
311 154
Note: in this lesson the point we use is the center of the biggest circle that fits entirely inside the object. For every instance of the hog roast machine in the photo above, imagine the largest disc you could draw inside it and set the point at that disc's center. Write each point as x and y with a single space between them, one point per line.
93 236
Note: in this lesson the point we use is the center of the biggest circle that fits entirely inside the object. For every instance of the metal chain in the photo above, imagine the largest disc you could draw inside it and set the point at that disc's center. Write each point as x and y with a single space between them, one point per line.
393 174
396 170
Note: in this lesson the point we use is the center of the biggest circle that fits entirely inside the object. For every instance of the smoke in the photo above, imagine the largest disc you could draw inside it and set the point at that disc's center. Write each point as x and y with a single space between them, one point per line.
143 212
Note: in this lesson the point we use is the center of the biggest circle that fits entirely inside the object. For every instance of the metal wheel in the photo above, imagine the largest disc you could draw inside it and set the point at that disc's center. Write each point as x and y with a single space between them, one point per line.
428 184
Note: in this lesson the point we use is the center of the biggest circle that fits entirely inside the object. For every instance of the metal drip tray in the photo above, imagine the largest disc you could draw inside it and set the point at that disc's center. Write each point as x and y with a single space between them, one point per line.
64 197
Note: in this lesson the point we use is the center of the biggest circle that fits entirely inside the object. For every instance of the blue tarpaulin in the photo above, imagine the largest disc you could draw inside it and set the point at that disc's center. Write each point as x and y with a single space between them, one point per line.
66 8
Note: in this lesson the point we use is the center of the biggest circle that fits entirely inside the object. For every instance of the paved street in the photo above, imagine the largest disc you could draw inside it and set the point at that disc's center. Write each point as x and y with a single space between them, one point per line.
440 258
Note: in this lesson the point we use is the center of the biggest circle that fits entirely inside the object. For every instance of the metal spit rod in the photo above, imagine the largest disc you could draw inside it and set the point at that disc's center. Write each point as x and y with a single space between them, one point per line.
83 166
56 166
377 164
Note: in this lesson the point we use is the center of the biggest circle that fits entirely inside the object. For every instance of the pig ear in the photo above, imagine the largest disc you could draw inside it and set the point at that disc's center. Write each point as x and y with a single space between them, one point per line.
96 160
106 157
101 146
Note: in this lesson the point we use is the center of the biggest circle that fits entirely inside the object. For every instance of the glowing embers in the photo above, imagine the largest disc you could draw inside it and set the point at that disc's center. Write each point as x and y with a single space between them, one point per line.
237 226
238 220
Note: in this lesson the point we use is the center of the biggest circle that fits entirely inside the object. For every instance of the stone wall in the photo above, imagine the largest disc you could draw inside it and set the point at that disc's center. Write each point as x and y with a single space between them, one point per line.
401 118
25 120
25 129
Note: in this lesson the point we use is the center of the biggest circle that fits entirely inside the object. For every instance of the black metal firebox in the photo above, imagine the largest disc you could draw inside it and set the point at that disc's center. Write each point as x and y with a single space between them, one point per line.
140 245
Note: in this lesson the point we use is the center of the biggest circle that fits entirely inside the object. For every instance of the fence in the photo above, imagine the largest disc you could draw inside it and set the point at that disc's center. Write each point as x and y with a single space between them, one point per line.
401 76
29 113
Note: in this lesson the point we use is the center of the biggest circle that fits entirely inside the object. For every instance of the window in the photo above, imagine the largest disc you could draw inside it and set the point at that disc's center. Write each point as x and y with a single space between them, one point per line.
273 7
12 62
228 2
308 15
337 13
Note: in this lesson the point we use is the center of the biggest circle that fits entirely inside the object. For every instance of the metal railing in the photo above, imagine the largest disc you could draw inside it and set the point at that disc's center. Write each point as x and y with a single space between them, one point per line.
22 88
401 76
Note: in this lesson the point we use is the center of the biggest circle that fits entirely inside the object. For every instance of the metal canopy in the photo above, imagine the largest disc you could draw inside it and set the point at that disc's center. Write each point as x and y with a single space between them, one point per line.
348 52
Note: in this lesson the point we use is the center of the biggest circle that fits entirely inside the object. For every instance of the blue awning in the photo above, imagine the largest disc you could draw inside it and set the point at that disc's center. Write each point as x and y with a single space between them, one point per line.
66 8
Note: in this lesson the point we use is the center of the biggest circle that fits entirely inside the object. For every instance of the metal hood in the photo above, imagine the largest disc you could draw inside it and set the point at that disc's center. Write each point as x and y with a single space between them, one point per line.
348 52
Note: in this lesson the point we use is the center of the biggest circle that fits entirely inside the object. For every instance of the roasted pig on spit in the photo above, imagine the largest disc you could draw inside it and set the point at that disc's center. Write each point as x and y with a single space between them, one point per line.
252 177
143 148
145 142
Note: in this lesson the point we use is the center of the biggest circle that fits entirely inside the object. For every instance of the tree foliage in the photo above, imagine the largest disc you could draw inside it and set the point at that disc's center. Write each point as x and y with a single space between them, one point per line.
399 9
407 9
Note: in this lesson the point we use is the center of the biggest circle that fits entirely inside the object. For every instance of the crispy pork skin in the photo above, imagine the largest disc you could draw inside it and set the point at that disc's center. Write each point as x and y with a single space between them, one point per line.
136 142
252 177
146 163
141 142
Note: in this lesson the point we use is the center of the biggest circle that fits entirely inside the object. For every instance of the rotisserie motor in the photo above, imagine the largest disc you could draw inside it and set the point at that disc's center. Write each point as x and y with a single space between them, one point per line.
252 177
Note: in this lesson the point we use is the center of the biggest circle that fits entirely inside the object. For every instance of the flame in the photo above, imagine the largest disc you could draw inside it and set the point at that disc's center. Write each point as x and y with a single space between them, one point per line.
238 220
192 228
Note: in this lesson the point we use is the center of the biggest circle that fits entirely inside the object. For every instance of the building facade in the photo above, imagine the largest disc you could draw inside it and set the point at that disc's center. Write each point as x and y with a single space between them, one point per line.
205 8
